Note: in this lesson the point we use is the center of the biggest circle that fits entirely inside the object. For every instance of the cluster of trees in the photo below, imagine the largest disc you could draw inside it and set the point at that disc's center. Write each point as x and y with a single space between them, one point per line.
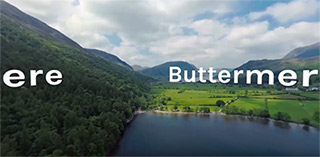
175 108
83 116
187 109
204 109
163 108
282 116
164 100
220 103
254 112
315 117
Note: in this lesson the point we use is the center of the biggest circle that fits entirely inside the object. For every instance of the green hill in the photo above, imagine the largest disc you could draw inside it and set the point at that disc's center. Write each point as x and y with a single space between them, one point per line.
84 115
161 71
109 57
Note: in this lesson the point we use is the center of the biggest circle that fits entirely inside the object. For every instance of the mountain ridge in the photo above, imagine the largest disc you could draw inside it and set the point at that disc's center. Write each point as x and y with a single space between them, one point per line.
161 71
110 57
15 14
297 59
305 52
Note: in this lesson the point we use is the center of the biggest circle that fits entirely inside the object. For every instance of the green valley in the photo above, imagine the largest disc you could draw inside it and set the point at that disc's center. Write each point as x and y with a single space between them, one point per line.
296 106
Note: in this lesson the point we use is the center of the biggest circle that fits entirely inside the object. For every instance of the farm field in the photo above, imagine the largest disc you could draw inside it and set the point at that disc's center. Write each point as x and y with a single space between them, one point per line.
194 97
298 105
296 109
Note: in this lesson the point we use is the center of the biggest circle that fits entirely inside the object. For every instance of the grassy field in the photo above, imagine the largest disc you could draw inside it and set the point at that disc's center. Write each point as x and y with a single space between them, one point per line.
297 105
296 109
194 97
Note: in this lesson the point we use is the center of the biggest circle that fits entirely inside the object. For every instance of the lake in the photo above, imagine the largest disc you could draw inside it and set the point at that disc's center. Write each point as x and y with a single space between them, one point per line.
215 135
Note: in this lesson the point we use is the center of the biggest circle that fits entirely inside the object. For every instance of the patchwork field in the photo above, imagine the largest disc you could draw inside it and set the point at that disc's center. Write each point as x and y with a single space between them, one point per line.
299 105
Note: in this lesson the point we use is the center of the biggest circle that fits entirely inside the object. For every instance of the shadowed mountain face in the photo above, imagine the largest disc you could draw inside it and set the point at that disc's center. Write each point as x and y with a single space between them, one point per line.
110 57
306 52
84 115
161 71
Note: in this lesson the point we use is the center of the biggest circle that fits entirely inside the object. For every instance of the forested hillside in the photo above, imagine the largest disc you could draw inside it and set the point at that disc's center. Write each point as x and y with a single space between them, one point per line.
82 116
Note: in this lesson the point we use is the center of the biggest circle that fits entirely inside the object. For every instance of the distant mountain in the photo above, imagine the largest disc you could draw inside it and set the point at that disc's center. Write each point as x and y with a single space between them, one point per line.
161 71
280 64
138 67
299 59
310 51
110 57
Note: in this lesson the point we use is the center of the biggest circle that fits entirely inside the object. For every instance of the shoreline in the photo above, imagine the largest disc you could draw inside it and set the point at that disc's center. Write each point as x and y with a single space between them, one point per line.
112 151
180 112
134 115
233 115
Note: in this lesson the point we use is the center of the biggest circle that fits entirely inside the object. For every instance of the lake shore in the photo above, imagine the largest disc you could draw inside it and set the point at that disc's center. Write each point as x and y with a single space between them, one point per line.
180 112
139 111
179 134
232 115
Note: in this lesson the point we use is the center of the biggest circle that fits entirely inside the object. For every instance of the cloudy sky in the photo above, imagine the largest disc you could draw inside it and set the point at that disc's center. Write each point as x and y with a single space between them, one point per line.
206 33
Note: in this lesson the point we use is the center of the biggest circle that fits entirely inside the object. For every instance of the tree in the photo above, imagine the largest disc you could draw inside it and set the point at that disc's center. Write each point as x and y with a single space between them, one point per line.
187 109
282 116
175 107
220 103
316 116
261 113
163 108
305 121
204 109
231 109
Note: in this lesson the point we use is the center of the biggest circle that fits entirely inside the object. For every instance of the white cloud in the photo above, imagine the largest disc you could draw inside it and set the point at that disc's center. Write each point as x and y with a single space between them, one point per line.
248 31
210 27
152 31
291 11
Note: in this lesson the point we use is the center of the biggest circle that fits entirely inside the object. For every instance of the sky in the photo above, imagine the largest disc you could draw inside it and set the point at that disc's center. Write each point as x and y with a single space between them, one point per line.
206 33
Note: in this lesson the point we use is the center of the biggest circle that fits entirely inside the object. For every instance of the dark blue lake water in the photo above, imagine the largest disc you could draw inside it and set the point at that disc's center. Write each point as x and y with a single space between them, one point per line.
215 135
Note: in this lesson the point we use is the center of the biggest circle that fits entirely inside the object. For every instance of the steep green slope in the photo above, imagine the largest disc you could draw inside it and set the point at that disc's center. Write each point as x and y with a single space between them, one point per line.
34 24
84 115
161 71
110 57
